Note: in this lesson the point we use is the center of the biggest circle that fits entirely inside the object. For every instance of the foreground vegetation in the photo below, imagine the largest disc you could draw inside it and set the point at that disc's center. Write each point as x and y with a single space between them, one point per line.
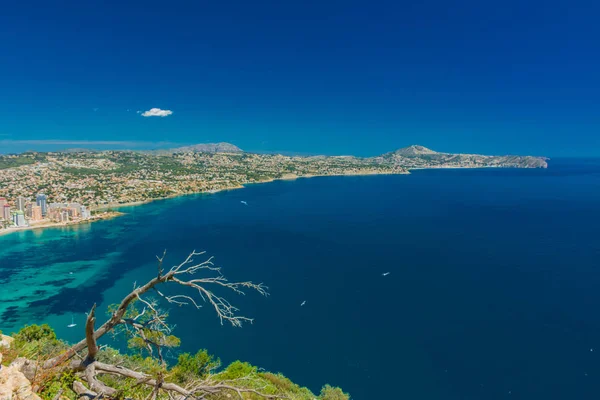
39 343
59 370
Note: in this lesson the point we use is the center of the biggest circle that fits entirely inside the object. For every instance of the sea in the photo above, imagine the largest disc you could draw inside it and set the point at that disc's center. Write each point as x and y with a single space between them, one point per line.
441 284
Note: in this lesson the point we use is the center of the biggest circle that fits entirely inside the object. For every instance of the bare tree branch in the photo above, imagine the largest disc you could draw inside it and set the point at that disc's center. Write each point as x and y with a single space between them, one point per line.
95 384
177 274
82 391
89 334
151 328
195 392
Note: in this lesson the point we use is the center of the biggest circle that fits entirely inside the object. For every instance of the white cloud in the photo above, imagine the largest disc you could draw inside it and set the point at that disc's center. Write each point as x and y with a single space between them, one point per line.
138 112
157 112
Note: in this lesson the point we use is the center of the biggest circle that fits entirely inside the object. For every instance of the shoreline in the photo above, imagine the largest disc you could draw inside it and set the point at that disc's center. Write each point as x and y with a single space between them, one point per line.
472 167
112 208
101 217
285 177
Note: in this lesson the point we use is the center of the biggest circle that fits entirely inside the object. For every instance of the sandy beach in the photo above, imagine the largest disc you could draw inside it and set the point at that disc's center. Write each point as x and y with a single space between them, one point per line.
50 224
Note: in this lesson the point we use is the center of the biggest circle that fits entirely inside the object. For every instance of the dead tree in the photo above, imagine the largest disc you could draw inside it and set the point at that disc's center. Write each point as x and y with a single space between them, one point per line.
151 330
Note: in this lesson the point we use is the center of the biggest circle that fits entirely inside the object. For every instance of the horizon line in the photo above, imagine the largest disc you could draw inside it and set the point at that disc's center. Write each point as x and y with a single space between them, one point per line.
134 145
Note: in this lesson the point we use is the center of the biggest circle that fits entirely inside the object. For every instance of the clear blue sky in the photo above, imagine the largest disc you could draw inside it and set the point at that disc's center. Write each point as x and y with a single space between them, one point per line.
331 77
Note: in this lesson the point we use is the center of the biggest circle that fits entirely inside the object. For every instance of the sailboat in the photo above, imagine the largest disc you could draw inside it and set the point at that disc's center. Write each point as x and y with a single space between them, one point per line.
72 324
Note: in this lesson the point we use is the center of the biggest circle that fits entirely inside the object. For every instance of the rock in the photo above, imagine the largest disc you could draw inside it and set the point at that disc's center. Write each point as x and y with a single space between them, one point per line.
14 385
26 367
5 341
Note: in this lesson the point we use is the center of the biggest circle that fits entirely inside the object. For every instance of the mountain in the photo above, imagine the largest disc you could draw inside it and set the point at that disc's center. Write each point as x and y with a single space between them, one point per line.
79 150
221 147
416 156
406 158
413 151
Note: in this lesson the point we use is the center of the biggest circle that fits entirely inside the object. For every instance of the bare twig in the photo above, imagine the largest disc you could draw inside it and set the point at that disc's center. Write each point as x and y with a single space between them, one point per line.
194 392
150 326
178 275
89 334
82 391
95 384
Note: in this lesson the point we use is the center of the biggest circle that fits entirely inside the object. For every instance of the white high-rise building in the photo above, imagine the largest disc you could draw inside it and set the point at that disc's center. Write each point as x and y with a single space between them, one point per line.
41 200
3 202
21 201
85 214
19 218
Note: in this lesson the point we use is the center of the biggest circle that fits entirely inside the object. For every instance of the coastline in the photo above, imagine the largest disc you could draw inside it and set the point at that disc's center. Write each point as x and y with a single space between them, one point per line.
468 167
113 206
48 224
109 211
285 177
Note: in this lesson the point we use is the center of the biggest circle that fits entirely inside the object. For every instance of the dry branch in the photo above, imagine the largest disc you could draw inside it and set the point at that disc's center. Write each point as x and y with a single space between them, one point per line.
82 391
150 321
194 392
89 334
178 274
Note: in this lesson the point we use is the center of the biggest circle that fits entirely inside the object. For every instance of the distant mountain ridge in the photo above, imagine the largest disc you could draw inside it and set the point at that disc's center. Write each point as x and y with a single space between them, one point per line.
414 151
417 156
221 147
79 150
410 157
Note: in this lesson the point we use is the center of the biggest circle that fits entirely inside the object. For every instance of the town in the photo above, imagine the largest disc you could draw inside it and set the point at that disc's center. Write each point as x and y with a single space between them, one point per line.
71 185
22 212
110 178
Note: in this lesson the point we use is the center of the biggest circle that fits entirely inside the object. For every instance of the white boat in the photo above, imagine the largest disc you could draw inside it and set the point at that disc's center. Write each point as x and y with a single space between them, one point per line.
72 324
244 203
385 274
303 303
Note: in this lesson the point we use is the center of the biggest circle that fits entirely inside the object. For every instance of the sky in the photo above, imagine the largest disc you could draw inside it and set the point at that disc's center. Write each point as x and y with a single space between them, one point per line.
314 77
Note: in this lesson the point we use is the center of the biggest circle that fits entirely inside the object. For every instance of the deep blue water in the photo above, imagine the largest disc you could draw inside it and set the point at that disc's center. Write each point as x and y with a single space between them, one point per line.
493 291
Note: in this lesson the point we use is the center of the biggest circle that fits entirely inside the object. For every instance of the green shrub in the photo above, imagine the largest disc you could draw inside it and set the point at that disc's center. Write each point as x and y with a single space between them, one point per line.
194 366
62 381
333 393
237 369
37 341
34 333
287 387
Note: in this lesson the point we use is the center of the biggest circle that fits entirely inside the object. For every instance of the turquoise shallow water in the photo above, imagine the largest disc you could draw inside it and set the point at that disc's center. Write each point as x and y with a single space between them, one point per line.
492 292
